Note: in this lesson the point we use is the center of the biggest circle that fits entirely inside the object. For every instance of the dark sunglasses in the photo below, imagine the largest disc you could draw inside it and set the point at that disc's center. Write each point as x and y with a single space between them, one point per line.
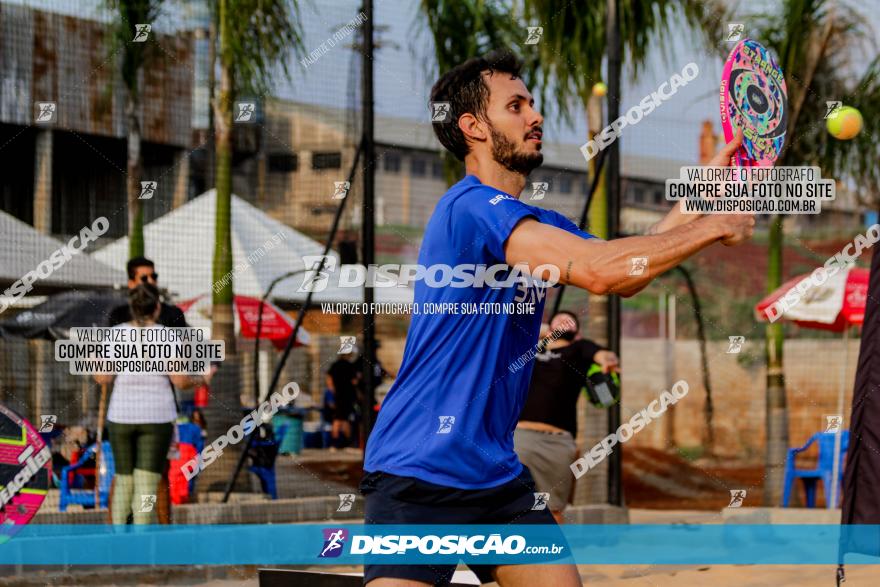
144 278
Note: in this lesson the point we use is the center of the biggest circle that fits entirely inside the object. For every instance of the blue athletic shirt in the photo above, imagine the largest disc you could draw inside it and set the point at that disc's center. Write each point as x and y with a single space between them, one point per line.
459 365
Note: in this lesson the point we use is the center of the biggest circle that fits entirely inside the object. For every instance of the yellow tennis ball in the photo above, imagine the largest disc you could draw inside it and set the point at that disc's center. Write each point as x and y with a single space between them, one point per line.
845 123
600 89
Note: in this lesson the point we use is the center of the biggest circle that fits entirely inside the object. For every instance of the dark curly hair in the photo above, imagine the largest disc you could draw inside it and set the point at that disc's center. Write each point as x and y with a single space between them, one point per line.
142 300
466 91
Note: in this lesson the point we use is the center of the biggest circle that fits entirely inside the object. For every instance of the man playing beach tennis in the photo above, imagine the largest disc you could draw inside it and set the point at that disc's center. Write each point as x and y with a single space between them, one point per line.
442 450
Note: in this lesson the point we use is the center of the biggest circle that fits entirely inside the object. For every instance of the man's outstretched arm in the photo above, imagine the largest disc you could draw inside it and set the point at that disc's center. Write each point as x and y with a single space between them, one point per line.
607 267
604 267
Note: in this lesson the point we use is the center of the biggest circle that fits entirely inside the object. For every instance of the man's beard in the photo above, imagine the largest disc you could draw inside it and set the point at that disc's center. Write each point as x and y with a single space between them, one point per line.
504 152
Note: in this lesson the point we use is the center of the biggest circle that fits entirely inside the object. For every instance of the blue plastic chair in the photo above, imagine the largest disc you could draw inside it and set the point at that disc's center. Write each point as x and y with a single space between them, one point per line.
823 470
86 497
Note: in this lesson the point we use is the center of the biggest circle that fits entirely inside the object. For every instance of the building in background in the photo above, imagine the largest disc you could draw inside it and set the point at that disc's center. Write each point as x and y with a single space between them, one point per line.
309 148
61 174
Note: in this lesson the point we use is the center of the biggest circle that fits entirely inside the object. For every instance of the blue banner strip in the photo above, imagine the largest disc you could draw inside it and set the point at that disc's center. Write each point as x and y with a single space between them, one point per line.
352 544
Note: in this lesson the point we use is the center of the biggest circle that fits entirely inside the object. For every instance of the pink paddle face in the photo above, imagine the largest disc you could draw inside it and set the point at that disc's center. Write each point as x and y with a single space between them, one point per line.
754 98
25 472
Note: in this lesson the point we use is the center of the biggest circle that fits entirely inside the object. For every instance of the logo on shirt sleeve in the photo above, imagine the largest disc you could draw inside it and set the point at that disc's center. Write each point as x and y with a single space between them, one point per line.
499 198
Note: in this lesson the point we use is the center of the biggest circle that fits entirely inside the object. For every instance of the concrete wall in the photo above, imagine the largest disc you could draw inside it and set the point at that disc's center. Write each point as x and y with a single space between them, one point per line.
813 370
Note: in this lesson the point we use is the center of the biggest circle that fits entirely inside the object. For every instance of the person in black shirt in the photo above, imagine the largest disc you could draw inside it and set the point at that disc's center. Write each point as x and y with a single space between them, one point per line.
544 436
342 379
142 270
379 374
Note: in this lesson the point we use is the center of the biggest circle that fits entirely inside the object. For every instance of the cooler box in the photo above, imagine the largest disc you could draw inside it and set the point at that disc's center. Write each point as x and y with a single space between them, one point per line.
289 432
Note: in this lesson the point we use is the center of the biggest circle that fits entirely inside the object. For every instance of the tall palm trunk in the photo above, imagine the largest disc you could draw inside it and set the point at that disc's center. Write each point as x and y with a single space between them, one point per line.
776 404
134 166
212 83
226 386
597 305
593 424
222 325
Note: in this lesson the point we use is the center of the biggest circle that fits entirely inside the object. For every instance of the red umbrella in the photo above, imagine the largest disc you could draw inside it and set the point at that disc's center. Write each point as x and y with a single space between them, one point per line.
835 305
277 326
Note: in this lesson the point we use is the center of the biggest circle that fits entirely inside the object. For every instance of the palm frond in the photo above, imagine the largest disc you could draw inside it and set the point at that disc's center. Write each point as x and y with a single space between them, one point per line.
573 47
462 29
855 161
262 36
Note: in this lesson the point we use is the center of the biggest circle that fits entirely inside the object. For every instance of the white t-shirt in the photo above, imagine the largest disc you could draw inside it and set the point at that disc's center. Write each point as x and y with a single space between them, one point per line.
141 398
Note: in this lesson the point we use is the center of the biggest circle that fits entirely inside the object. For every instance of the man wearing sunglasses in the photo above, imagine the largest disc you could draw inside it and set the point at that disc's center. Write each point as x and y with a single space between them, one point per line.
142 270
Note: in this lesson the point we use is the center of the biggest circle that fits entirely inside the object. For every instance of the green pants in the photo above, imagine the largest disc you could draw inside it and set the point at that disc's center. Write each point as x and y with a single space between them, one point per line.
140 452
140 446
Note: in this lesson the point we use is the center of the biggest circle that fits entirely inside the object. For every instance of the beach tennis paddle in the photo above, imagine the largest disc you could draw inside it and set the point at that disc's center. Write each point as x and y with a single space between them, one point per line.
754 98
603 389
24 481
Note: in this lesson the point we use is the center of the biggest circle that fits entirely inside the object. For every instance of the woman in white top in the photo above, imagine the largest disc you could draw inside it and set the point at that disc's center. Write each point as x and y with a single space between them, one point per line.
141 419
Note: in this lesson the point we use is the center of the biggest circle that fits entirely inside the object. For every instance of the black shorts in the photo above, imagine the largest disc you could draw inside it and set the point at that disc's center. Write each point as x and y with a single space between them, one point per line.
343 412
404 500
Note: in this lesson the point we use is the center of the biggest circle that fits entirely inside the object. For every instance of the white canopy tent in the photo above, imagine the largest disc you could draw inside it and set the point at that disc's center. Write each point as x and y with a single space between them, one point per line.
181 243
25 249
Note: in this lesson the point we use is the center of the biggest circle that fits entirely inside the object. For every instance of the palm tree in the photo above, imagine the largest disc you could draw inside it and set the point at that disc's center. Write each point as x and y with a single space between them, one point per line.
573 45
253 37
815 41
135 54
253 40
